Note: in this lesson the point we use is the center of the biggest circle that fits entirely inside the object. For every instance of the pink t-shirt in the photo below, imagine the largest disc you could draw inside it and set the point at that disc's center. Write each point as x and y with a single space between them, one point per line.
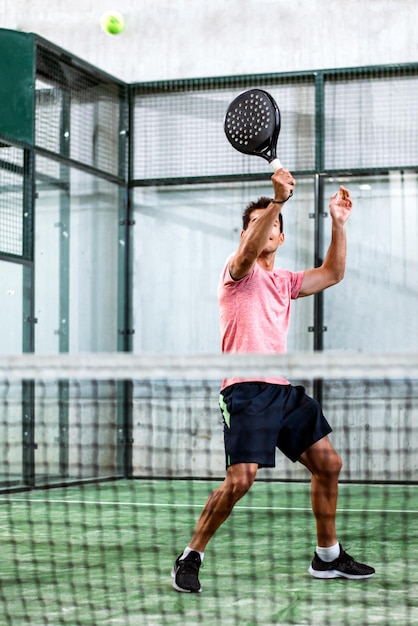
255 313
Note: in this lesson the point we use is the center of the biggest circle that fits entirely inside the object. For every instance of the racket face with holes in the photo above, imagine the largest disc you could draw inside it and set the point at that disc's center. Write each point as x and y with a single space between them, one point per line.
252 124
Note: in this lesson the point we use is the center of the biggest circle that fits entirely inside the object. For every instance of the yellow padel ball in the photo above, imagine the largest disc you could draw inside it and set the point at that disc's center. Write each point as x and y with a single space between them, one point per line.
112 22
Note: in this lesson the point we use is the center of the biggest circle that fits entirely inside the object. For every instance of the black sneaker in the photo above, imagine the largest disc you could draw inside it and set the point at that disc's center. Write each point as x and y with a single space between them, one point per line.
342 567
185 573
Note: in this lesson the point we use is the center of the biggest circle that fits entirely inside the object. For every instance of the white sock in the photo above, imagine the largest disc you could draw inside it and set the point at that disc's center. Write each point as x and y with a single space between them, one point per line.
188 550
328 554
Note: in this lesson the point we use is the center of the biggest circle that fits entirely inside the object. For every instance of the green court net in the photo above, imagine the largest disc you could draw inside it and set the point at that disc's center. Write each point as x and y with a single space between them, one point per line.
107 461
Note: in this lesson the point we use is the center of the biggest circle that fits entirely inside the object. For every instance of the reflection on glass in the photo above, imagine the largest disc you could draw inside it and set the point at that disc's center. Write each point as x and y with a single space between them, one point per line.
374 308
76 261
11 307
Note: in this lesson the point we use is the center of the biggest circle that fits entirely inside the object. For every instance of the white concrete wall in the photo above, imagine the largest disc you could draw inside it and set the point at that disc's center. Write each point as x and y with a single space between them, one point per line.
195 38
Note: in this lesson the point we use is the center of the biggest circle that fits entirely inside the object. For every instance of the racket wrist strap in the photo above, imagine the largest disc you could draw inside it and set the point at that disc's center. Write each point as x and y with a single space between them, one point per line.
281 201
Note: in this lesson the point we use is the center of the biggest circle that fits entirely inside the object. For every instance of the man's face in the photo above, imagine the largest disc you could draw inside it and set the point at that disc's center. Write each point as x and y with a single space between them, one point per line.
276 237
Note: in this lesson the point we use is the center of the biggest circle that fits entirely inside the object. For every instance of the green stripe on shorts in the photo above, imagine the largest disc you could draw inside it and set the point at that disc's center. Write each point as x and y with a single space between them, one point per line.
224 409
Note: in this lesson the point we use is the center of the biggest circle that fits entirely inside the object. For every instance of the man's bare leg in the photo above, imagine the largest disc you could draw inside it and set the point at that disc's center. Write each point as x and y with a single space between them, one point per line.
218 507
324 464
220 503
330 560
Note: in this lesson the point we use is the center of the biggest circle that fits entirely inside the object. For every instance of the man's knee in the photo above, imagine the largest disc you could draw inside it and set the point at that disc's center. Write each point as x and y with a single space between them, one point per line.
328 465
333 464
322 460
240 477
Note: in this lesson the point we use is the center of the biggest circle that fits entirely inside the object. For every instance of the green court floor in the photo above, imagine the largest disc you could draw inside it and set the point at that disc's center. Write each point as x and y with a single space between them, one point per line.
101 554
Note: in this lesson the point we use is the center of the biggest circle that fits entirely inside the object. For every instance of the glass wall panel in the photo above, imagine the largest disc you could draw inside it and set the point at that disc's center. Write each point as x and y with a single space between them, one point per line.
11 342
76 304
183 236
11 433
11 307
76 260
374 308
75 430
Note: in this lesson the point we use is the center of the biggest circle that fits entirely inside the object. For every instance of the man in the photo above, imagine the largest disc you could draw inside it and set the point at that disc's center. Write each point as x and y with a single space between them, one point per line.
264 413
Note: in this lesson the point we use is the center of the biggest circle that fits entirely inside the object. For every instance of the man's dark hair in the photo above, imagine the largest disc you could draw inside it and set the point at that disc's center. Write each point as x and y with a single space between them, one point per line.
261 203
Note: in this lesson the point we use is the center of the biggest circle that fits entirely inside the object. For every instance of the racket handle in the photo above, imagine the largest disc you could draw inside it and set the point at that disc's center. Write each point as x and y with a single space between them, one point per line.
275 164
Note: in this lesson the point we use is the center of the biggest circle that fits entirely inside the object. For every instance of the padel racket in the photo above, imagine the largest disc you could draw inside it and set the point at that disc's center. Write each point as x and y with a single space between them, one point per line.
252 125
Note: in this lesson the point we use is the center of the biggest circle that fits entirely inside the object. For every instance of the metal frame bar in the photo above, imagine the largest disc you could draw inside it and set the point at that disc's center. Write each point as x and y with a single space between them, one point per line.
124 438
243 80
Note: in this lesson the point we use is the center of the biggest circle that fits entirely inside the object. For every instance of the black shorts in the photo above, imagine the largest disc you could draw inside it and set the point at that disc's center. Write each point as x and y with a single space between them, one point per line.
258 417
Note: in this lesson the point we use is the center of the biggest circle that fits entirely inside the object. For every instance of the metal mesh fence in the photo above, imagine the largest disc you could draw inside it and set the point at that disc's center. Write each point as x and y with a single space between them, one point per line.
12 212
180 133
371 121
331 120
78 114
